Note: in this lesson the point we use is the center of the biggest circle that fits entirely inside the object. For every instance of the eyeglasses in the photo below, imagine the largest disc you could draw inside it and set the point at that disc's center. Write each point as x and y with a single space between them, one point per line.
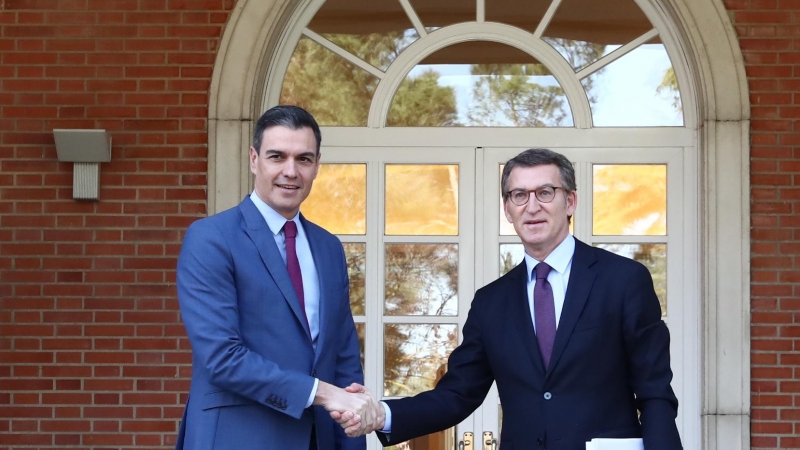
544 194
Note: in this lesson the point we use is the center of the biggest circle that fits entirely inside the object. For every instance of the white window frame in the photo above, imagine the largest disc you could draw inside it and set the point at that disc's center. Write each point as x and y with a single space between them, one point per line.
710 67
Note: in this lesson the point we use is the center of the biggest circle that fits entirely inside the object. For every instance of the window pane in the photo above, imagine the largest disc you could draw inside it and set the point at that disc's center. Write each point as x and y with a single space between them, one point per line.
630 200
421 280
480 84
422 200
510 256
415 356
639 89
654 257
435 14
338 199
356 254
361 329
376 31
585 30
523 14
328 86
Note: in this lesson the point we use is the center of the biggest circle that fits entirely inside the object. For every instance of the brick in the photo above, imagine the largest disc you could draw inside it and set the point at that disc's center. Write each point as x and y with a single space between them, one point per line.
105 440
762 17
112 5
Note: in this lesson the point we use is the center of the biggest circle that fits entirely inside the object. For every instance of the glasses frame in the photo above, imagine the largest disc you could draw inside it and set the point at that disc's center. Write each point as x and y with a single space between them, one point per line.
535 193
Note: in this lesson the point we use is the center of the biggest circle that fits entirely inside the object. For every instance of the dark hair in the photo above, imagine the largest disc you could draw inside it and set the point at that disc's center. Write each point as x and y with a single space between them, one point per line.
289 116
539 157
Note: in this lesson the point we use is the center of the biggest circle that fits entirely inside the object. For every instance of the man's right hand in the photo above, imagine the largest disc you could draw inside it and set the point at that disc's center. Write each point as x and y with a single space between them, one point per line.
350 422
354 408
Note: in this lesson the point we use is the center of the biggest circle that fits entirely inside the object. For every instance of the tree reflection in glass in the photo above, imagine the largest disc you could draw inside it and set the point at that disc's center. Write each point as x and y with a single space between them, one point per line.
361 329
629 199
338 200
510 256
421 280
376 32
415 356
421 200
356 254
637 90
480 84
335 91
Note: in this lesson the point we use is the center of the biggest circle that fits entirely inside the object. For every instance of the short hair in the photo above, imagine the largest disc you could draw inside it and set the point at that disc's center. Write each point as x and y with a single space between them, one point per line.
539 157
289 116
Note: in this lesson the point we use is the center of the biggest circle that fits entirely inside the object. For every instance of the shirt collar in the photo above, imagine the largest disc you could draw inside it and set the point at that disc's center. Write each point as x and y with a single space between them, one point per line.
275 221
558 259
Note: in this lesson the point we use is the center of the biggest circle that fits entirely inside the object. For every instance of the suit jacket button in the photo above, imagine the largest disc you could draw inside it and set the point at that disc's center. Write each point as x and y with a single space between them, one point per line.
314 374
548 396
540 442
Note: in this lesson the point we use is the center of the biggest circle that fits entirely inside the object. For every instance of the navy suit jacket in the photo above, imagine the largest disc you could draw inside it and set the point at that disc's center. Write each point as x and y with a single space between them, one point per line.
610 358
253 364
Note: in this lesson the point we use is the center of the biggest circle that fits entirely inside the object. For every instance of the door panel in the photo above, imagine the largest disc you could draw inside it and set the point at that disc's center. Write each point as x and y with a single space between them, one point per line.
406 217
423 228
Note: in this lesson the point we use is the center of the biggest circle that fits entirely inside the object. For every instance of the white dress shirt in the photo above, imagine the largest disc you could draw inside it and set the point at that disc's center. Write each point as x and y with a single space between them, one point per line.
560 260
275 222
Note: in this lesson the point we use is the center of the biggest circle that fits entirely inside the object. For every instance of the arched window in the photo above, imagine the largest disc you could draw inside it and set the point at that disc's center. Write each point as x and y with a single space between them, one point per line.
422 101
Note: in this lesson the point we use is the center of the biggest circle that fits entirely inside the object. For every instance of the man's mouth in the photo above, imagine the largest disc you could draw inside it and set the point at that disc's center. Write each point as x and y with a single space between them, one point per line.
288 186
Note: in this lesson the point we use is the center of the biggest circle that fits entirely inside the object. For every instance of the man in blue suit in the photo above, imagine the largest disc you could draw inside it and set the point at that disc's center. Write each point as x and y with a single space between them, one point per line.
264 296
573 336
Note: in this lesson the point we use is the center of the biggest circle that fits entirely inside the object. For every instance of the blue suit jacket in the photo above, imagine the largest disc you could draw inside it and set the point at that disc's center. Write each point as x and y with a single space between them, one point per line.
253 365
610 358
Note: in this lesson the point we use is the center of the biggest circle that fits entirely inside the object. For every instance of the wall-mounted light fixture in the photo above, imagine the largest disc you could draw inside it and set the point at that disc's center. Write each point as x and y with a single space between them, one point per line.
87 149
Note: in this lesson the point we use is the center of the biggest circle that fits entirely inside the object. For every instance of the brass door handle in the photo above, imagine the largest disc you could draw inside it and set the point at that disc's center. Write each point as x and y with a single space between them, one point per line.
489 442
467 442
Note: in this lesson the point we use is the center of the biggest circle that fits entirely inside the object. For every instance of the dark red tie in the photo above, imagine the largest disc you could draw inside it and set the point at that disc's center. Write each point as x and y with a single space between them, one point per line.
293 264
544 310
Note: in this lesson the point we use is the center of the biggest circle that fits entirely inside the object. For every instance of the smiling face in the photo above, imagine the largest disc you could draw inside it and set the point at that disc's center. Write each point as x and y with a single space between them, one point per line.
541 226
285 168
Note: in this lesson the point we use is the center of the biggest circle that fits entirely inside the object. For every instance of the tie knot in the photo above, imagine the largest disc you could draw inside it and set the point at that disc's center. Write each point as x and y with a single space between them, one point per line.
290 229
541 270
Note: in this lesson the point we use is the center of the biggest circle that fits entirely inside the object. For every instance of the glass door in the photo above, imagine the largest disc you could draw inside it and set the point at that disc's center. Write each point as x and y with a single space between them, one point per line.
406 217
423 228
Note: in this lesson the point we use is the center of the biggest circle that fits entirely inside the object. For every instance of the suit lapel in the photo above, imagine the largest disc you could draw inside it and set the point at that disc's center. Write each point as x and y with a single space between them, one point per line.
322 257
581 279
258 231
521 314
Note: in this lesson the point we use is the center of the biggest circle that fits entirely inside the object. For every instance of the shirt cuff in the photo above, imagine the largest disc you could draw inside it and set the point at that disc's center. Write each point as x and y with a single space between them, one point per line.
387 423
313 393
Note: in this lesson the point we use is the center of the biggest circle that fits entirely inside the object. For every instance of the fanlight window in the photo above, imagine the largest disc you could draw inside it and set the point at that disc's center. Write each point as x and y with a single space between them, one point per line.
350 47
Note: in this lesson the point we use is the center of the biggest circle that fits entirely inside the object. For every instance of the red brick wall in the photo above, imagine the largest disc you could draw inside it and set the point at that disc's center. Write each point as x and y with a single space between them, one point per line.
769 35
92 352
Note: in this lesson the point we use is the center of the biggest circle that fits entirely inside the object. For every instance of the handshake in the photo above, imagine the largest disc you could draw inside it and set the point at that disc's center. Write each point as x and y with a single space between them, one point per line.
353 407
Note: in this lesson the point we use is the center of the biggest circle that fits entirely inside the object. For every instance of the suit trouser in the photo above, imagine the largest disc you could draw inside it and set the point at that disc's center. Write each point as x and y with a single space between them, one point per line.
313 444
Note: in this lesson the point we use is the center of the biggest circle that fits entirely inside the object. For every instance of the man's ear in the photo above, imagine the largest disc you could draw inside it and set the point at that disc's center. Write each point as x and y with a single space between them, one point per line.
253 158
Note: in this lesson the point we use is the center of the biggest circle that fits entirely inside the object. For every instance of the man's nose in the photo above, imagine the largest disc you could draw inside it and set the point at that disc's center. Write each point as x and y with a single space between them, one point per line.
290 168
533 204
